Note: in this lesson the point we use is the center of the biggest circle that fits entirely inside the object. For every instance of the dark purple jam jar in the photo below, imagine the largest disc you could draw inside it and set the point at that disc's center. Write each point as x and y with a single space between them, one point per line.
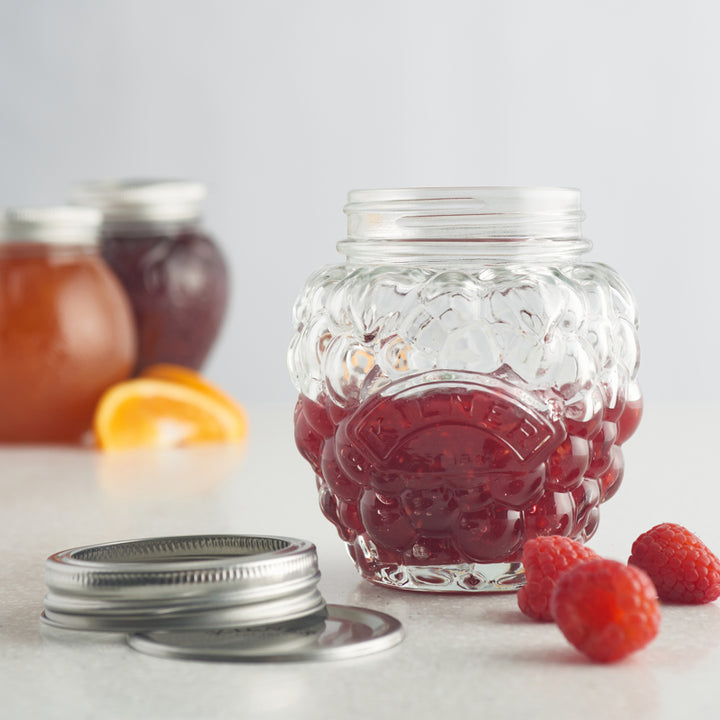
173 271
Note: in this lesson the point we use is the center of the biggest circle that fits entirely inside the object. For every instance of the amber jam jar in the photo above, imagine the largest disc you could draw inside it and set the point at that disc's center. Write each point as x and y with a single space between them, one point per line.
173 271
467 379
66 328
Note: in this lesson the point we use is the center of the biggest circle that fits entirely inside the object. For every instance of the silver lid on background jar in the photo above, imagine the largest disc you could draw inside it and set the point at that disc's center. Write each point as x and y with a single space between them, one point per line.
211 597
63 225
143 200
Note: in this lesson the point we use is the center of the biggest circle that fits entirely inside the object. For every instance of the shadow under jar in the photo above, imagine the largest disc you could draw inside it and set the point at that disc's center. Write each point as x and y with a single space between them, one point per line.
467 379
173 271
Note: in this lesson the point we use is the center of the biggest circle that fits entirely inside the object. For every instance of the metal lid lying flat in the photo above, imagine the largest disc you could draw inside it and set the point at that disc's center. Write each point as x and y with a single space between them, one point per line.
345 632
196 581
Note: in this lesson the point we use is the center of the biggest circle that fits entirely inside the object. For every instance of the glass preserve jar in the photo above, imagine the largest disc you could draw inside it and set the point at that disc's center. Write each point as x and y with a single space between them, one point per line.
66 328
467 379
173 271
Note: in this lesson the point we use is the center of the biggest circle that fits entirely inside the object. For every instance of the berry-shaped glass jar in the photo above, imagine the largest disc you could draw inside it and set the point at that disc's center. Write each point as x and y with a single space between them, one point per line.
173 271
66 328
467 379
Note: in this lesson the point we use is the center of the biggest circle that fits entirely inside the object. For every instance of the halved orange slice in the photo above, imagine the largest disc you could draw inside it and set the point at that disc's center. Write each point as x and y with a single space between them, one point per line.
149 412
186 376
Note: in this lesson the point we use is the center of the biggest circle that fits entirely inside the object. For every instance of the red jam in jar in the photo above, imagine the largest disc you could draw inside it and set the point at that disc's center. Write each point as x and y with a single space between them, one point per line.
457 475
66 329
466 382
173 271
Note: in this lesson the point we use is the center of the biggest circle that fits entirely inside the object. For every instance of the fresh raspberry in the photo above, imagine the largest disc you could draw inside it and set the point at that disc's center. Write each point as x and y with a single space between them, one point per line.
606 609
545 559
680 565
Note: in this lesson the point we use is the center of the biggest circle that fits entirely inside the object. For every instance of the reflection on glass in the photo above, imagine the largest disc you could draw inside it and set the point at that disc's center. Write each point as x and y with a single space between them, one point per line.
167 473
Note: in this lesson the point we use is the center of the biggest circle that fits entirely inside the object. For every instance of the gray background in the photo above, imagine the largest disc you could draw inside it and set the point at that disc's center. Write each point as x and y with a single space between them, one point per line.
281 107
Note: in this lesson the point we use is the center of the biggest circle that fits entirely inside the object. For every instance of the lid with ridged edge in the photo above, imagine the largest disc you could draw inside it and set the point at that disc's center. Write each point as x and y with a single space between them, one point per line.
193 581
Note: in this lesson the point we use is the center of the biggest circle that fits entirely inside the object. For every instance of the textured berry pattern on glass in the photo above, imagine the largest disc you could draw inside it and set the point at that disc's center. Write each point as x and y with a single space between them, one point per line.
452 414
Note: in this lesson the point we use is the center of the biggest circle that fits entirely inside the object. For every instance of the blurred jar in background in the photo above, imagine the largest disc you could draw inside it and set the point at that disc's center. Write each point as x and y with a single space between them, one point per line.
174 273
66 328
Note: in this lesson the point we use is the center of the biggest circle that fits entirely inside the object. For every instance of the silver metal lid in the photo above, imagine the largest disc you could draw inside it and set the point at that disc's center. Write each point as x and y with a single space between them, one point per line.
195 581
345 632
62 225
154 201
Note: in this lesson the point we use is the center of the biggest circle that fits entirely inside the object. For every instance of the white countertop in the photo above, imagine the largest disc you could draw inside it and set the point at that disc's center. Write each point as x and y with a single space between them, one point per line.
473 656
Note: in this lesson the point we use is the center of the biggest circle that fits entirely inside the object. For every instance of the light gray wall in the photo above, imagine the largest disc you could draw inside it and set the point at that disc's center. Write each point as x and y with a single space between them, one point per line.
281 107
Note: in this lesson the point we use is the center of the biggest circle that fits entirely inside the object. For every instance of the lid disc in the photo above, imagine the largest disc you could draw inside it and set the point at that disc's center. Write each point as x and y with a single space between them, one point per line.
345 632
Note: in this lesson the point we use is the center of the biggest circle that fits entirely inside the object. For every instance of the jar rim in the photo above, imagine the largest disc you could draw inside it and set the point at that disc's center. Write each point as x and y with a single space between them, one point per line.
477 215
549 198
